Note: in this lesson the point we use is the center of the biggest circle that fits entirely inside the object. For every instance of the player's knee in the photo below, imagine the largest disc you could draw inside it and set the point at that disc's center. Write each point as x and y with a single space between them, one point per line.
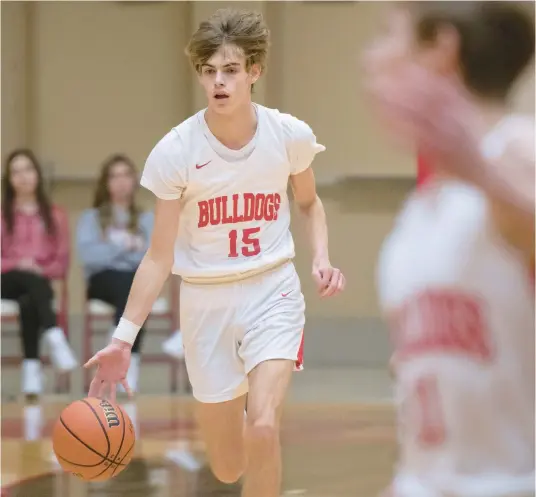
262 429
227 470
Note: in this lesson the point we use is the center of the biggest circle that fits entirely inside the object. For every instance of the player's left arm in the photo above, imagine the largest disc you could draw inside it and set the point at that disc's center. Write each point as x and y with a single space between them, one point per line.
329 279
302 148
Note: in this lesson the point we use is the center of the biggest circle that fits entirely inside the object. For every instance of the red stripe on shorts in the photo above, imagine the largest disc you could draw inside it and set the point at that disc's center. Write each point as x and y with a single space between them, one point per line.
299 361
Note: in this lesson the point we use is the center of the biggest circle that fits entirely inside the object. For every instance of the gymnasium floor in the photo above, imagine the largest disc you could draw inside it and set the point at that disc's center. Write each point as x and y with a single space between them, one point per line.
338 438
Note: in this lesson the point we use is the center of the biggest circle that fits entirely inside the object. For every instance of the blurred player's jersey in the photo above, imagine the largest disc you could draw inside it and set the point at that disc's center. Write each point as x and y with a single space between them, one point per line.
461 307
235 214
424 173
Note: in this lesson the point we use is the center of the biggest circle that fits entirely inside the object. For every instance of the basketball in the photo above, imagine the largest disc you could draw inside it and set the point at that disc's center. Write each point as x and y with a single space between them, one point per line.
93 439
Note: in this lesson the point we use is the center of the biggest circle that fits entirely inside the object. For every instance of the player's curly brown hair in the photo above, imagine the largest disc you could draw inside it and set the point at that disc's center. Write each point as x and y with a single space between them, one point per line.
244 29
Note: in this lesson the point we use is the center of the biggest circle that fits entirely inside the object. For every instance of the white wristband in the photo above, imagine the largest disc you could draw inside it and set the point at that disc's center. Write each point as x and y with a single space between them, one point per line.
126 331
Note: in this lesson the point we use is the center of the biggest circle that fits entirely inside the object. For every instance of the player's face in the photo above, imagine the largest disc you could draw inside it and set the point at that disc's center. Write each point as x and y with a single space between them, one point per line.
397 47
23 176
226 81
121 182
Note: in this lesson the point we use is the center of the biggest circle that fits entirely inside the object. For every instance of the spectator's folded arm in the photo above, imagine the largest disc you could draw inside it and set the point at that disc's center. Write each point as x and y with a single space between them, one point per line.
93 248
146 224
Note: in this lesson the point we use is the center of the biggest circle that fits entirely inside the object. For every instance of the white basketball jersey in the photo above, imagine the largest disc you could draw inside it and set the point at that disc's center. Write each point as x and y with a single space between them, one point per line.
461 308
235 215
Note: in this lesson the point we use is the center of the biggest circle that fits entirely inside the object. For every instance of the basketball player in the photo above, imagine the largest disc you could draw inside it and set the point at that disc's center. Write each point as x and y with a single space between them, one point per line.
224 173
455 275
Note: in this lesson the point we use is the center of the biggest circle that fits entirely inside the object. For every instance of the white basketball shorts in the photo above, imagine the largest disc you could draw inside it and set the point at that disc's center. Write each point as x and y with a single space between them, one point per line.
230 328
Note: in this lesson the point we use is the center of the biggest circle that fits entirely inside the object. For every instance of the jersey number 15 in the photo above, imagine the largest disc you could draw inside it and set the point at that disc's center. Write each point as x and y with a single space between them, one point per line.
250 245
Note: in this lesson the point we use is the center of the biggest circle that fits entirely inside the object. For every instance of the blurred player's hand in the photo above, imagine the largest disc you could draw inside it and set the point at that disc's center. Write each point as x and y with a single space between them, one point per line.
329 280
425 109
112 366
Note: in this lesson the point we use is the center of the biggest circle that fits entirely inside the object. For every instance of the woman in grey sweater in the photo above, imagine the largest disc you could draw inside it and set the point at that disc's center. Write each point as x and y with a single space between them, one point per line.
112 239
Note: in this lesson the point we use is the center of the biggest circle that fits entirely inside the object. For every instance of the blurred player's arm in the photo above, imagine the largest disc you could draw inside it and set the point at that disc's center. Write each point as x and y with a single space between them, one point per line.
510 187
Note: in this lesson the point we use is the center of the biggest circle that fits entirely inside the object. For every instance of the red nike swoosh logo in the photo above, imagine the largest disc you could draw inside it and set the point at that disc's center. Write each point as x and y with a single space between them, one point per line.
285 294
199 166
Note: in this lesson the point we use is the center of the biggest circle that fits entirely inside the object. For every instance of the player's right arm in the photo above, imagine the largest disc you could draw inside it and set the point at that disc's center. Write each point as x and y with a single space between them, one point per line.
165 174
156 265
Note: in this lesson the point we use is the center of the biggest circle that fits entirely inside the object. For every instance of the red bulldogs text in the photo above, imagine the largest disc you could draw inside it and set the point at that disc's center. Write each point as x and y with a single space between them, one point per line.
238 208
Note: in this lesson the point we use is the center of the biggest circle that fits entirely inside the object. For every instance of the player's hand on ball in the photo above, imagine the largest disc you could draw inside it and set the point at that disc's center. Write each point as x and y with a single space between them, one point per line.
329 280
112 365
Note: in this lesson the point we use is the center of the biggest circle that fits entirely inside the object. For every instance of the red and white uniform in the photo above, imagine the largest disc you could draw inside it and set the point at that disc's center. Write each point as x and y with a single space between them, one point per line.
234 245
461 306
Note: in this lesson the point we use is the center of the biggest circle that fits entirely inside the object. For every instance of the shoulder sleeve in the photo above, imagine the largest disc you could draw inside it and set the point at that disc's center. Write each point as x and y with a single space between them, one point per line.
165 172
302 146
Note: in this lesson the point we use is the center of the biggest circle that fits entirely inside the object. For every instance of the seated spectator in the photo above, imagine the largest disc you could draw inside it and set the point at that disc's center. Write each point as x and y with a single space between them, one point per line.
35 250
112 239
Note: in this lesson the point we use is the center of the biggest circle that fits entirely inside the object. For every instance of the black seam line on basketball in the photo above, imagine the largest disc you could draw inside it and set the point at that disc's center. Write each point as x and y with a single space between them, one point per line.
104 458
84 465
133 443
117 464
102 426
126 454
122 438
117 453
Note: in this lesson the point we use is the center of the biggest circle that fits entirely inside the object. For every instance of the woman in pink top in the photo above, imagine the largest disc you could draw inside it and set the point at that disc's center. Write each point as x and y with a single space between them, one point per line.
35 251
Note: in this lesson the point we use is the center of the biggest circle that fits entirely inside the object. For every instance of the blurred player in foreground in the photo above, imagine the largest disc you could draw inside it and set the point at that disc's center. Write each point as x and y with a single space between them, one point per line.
456 273
224 173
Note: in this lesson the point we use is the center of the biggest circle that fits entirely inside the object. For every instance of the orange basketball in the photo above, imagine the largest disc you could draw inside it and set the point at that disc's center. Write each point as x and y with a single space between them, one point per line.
93 439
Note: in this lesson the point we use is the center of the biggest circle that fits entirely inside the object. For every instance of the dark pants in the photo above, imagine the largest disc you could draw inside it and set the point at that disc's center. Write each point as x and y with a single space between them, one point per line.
35 297
113 287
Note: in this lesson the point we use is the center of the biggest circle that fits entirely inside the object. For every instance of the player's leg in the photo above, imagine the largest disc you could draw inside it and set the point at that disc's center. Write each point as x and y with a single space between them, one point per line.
268 384
216 372
271 348
222 429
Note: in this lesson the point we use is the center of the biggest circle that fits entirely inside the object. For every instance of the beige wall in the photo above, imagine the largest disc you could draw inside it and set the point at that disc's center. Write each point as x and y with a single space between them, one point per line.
108 76
15 39
83 79
89 78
